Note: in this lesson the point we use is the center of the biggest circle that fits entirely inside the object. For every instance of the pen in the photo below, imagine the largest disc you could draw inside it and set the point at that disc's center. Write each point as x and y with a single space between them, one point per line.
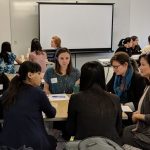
58 96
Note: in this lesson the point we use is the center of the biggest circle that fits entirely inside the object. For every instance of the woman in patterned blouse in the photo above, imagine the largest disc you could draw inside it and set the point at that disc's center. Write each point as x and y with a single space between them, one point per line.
7 59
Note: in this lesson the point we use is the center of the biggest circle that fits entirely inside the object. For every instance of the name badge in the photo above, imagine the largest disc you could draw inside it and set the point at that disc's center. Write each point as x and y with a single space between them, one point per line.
53 80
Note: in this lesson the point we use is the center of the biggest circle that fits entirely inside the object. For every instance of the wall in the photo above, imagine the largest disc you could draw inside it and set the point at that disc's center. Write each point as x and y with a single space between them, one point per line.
139 20
5 31
21 24
24 24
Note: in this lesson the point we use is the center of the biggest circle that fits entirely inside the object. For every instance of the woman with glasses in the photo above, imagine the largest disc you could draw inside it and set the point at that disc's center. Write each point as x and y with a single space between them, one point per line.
126 83
138 135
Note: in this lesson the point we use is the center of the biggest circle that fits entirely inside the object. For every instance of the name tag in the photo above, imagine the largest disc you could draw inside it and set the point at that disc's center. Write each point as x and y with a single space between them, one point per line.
53 80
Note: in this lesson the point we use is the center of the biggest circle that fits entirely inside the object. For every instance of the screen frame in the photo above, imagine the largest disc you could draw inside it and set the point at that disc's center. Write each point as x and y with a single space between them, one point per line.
81 50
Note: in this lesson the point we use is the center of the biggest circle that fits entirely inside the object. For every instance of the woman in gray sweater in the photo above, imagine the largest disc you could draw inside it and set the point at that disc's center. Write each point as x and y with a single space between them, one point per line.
138 135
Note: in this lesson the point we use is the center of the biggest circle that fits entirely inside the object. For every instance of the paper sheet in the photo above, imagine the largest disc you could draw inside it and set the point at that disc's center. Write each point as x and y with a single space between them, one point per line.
126 108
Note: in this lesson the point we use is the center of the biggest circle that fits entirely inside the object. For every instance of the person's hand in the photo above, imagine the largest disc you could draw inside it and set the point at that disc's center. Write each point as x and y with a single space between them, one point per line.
134 116
137 116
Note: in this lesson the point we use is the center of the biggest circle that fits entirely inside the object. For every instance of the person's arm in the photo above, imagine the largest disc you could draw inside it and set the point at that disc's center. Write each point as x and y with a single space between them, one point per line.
30 57
119 117
18 61
46 106
47 76
141 116
139 82
46 88
72 115
110 84
136 116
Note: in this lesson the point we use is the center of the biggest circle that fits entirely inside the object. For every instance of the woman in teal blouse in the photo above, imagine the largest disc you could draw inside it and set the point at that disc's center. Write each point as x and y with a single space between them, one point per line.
63 78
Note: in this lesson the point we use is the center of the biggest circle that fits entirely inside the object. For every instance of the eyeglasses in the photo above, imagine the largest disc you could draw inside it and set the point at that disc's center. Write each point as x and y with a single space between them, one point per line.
116 67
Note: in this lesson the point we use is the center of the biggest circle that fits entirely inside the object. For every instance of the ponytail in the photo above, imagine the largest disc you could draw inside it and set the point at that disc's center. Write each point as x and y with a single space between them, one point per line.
121 43
13 89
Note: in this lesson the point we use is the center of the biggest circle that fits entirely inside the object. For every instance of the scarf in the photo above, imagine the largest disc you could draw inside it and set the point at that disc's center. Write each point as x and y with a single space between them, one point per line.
122 84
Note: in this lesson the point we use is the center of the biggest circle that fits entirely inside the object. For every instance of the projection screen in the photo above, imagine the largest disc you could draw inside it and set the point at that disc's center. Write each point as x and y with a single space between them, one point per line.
82 27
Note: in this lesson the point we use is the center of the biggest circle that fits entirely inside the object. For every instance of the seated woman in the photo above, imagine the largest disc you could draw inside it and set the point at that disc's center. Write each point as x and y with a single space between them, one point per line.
23 120
7 59
37 54
63 78
126 83
125 46
93 111
138 135
135 46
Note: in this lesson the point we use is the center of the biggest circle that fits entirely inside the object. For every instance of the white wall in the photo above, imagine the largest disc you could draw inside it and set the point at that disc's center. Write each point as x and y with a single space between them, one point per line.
24 21
24 24
139 20
19 23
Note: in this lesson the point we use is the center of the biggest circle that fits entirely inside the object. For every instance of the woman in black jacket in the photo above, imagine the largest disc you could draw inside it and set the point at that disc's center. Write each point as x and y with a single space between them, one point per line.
23 104
125 45
93 111
127 83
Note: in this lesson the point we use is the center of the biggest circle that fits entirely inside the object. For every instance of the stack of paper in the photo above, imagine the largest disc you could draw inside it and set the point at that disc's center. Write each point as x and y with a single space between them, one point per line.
58 97
126 108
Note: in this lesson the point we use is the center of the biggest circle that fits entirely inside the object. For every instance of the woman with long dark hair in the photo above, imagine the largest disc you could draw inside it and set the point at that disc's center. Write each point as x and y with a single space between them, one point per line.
7 58
37 54
93 111
125 45
23 120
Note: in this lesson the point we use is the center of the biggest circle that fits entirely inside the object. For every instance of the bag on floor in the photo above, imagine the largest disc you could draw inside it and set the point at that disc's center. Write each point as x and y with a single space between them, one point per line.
93 143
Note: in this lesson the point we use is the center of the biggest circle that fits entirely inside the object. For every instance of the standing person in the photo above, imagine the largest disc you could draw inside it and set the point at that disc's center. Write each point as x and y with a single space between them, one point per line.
126 83
37 54
7 58
93 111
23 120
135 46
56 44
125 46
63 77
138 135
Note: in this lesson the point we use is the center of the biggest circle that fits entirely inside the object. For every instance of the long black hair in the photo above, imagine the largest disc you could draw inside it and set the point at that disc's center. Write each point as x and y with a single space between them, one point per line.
122 42
5 48
92 73
36 45
18 81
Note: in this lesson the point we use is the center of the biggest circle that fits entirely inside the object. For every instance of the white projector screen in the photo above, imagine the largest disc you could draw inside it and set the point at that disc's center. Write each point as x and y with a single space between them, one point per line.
81 26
